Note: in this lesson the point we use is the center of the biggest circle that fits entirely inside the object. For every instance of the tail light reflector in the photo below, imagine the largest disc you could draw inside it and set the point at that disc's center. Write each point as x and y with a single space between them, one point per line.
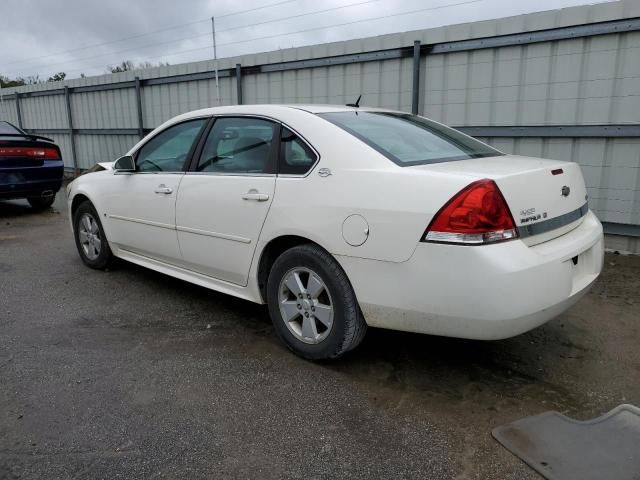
45 153
476 215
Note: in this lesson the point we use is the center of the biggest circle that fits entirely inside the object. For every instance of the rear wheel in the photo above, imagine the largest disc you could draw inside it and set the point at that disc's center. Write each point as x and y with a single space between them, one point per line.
40 203
312 304
90 238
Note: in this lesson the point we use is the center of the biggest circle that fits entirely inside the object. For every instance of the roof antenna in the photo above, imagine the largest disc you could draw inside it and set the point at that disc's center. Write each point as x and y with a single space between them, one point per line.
357 104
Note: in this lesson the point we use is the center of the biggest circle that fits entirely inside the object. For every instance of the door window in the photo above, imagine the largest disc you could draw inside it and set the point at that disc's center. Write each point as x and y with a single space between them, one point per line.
238 145
295 156
167 151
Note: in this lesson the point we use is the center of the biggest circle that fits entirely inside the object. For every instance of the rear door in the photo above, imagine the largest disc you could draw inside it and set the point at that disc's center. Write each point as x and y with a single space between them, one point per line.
224 199
140 206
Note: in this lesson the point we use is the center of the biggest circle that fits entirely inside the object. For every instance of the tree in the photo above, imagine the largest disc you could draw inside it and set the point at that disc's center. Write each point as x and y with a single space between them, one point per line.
6 82
57 77
32 79
127 65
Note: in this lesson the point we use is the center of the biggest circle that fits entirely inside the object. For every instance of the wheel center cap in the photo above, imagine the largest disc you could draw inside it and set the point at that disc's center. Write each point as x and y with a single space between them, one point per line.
306 304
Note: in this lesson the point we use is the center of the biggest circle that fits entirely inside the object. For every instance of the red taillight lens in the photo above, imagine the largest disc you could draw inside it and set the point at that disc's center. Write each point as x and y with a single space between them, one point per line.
31 152
477 214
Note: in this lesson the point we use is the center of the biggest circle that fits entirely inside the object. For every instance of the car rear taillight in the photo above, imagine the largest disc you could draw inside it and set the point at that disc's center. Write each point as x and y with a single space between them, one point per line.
31 152
476 215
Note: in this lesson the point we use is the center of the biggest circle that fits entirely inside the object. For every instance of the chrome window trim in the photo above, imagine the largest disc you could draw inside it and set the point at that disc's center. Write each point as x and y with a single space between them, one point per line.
525 231
281 123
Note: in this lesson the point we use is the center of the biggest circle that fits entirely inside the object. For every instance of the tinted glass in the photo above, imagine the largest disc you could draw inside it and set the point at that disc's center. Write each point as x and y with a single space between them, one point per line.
408 139
7 128
167 151
295 156
237 145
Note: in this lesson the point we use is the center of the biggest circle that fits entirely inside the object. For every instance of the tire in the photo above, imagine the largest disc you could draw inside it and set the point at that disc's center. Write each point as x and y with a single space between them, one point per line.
41 203
93 249
307 266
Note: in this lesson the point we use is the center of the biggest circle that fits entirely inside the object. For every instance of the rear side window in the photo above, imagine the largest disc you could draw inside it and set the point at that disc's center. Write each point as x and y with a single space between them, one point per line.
296 158
408 139
238 145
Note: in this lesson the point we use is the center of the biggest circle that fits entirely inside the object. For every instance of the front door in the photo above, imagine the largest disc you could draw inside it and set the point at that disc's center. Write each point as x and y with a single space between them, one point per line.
223 203
141 205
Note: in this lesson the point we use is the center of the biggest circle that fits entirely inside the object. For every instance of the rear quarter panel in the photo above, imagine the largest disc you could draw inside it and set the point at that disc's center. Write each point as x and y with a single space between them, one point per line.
397 203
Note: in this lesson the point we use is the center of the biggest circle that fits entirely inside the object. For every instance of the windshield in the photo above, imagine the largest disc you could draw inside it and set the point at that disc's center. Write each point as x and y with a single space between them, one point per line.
408 139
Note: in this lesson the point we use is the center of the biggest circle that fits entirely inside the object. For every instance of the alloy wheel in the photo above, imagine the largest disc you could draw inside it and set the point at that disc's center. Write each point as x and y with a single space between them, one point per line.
305 305
89 236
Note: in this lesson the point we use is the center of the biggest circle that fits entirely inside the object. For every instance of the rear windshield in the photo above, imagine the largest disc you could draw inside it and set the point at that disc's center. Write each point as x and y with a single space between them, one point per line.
8 129
408 139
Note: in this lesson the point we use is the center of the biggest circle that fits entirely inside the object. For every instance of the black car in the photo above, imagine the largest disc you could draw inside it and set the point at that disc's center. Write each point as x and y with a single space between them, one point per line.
31 166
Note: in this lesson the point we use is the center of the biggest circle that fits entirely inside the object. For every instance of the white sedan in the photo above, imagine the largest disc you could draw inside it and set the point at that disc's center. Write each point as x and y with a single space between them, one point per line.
341 218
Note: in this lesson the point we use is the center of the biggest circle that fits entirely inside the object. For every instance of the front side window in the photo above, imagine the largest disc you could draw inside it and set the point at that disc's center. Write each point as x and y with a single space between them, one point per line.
408 139
167 151
296 158
238 145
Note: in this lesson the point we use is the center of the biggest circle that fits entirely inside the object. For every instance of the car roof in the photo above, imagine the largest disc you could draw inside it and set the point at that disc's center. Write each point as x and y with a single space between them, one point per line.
319 108
270 109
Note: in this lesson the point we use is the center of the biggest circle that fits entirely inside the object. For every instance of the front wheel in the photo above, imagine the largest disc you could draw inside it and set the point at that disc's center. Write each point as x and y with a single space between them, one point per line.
90 238
312 304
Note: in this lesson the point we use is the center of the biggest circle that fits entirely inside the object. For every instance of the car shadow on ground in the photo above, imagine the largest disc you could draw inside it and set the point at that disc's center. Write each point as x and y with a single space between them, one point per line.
455 370
450 367
19 208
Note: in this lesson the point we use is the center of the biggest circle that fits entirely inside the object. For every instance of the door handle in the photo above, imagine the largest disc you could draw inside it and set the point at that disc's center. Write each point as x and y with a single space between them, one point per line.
162 188
253 194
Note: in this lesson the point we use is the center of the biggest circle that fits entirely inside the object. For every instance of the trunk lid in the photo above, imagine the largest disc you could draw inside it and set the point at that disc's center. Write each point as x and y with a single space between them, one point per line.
547 198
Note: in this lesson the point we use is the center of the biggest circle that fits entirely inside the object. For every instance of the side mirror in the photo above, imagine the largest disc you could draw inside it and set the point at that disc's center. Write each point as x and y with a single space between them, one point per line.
124 164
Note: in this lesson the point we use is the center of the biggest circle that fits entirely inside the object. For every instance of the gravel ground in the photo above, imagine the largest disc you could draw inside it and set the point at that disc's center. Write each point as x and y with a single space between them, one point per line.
131 374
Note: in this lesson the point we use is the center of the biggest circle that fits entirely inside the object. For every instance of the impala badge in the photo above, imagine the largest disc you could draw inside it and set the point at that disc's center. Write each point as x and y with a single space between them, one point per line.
565 191
530 215
324 172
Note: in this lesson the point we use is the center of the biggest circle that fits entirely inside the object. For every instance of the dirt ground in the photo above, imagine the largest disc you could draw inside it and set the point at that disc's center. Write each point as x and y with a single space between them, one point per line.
129 374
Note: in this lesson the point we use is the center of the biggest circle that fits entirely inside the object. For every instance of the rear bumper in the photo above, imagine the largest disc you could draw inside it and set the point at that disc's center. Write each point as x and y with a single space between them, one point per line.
31 181
480 292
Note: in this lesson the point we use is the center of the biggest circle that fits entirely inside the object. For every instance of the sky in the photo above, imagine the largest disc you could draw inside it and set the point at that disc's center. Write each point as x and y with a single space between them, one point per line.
43 37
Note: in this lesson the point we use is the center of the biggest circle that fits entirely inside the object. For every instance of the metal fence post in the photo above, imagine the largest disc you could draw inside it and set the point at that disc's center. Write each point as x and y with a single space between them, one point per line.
239 82
139 108
67 98
415 100
18 113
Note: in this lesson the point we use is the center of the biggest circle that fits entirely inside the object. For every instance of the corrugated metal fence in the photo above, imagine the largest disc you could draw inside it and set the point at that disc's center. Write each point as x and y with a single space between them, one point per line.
562 84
